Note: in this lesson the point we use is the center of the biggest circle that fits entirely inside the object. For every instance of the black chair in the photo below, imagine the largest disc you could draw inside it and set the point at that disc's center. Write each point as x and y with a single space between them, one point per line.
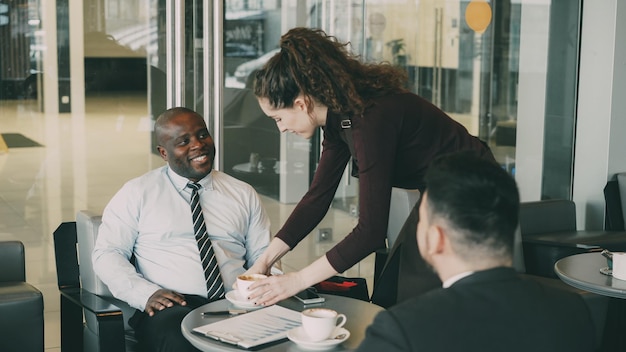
105 324
400 205
615 199
21 304
549 233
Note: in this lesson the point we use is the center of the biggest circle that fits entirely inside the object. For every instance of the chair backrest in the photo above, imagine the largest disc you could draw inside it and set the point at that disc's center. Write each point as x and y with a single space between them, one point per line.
615 197
12 262
80 318
87 225
621 181
402 202
547 216
615 203
552 217
613 217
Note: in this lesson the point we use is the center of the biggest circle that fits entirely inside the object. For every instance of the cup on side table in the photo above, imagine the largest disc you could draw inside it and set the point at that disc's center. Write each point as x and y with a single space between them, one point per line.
254 161
619 265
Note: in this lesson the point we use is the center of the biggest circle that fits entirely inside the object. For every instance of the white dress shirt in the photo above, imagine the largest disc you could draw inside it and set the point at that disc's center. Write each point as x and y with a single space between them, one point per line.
150 217
452 280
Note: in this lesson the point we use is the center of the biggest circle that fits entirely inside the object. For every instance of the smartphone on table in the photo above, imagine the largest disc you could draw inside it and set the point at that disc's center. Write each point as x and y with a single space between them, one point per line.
309 296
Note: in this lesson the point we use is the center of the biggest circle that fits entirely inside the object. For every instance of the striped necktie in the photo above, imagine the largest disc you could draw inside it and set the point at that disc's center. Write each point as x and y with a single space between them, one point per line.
214 284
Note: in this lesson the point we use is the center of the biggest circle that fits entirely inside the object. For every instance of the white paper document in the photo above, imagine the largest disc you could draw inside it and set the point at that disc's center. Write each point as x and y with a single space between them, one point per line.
255 328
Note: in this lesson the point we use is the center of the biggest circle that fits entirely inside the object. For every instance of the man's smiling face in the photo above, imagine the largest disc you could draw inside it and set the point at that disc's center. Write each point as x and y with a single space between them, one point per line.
187 146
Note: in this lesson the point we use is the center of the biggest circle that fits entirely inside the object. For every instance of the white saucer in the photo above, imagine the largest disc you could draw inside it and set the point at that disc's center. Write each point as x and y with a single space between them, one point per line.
606 271
298 336
235 298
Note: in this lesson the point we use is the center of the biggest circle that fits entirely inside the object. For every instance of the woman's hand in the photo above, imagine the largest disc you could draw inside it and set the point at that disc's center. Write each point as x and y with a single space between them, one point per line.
162 299
276 288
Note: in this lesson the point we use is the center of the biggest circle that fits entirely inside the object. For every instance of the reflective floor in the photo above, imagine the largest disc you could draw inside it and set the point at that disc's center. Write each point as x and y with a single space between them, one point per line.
82 161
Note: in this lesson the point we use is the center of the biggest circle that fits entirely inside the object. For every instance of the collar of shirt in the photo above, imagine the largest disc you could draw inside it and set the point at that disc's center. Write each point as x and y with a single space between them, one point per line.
181 182
456 278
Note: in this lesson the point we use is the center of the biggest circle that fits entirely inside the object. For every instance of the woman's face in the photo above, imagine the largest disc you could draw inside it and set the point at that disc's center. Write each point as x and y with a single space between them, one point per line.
295 119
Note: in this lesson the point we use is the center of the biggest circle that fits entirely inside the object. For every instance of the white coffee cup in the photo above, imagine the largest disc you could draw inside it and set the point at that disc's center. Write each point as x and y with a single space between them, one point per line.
619 265
244 281
320 323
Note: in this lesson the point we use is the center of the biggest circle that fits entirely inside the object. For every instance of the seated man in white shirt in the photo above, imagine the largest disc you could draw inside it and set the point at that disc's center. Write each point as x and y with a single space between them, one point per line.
468 216
151 219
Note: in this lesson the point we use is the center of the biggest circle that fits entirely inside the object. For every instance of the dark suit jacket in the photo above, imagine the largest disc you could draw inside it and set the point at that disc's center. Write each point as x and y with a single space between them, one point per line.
491 310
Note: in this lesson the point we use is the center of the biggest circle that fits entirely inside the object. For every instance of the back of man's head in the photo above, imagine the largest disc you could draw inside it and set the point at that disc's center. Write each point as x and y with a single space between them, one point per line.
478 201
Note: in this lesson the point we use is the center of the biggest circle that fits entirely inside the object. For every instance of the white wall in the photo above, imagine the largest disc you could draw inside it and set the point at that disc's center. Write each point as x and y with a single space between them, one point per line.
600 148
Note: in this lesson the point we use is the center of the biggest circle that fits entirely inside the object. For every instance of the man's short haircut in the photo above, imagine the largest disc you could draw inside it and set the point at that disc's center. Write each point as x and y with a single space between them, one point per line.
478 199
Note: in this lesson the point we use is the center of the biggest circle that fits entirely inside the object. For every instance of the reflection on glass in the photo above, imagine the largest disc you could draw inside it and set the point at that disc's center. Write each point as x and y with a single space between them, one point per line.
251 34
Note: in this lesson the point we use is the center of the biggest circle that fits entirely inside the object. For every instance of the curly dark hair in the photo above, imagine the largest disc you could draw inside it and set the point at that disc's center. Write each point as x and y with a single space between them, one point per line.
321 68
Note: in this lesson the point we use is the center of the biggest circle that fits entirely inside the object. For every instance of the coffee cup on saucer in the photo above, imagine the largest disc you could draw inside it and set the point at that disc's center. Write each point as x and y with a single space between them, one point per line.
244 282
320 323
619 265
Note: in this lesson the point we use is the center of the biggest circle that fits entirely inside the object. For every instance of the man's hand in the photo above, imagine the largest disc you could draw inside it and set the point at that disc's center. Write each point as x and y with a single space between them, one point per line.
162 299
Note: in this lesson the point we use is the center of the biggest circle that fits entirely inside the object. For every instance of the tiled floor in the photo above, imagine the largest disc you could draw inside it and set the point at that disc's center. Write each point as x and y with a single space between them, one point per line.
84 160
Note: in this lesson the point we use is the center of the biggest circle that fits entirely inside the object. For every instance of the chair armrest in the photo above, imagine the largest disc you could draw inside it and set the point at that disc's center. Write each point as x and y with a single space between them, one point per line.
91 302
110 323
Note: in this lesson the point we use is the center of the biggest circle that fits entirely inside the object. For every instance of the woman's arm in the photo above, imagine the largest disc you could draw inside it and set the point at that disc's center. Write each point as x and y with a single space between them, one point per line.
276 250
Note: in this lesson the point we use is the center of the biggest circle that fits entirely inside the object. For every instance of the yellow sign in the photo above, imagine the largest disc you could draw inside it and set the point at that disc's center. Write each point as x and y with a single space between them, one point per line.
478 15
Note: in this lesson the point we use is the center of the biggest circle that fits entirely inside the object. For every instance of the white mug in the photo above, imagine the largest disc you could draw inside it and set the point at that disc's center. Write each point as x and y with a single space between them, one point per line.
619 265
320 323
244 281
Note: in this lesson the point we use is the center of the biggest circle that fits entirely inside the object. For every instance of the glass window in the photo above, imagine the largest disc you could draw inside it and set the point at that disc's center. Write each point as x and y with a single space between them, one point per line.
464 56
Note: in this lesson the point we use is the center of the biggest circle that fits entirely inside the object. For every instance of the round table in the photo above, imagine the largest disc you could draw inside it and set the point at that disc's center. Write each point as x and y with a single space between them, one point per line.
247 168
264 181
360 315
583 271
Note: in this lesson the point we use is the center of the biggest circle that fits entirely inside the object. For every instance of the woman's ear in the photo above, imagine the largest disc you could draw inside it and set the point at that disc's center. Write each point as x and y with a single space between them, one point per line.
300 103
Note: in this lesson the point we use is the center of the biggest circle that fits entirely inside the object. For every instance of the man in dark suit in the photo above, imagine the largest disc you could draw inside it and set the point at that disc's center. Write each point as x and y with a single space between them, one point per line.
467 220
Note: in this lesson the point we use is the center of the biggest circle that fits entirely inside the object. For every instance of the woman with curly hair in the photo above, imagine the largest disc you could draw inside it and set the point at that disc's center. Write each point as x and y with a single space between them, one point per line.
365 113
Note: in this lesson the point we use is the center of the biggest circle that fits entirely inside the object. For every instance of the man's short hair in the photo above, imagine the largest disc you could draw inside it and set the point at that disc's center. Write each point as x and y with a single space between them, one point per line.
478 199
166 116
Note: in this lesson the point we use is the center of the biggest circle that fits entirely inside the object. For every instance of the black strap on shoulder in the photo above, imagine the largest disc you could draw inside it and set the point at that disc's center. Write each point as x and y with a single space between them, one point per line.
346 126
